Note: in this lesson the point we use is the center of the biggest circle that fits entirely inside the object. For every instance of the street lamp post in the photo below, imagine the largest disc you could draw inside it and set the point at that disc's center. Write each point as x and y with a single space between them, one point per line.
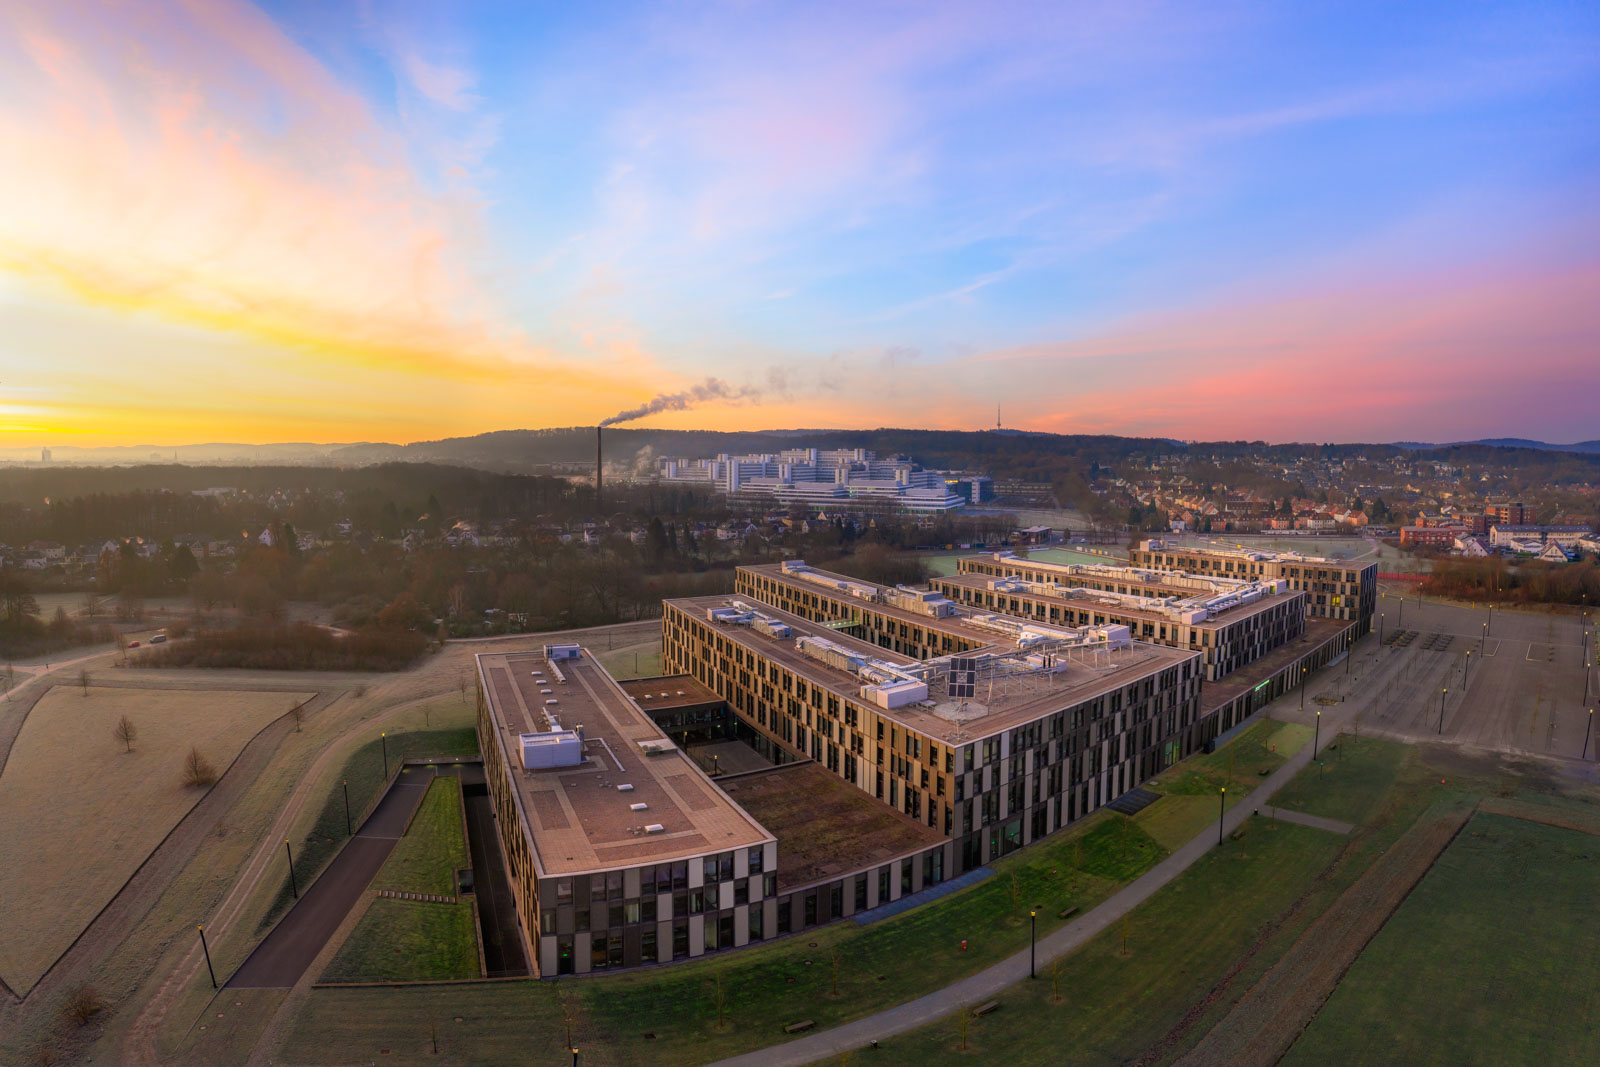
1380 627
1033 941
293 885
1466 669
1316 737
1222 809
385 738
1586 731
347 831
207 950
1442 694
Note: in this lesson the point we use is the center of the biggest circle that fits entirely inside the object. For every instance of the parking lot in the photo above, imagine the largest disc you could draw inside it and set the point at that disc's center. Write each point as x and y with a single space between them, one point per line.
1510 681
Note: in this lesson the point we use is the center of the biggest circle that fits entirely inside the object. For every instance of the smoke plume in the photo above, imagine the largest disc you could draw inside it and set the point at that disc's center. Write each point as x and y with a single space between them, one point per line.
710 389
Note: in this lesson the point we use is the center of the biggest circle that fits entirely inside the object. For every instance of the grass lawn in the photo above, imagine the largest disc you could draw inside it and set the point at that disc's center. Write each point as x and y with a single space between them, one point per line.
1351 782
642 660
1493 958
364 771
1191 790
408 941
434 848
79 813
1180 943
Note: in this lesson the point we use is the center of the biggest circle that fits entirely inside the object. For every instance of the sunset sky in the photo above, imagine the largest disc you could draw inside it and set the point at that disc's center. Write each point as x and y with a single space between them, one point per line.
332 221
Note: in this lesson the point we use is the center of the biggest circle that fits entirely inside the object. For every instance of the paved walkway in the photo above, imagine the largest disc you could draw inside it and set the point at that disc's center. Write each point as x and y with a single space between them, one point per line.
988 984
286 952
1333 826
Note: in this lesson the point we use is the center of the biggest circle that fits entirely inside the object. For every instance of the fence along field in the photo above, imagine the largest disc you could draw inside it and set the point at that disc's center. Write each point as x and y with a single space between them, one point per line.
79 812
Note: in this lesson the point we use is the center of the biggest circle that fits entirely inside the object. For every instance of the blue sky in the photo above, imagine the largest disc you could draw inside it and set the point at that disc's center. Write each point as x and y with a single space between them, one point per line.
1118 218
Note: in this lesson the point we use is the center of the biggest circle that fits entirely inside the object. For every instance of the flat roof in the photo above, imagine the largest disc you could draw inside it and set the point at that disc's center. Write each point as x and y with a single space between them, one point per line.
1086 675
956 625
668 691
577 818
825 826
1260 555
1095 600
1159 580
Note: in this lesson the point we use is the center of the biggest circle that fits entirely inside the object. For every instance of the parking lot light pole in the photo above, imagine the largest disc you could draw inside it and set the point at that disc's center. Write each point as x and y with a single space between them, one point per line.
1442 694
1587 730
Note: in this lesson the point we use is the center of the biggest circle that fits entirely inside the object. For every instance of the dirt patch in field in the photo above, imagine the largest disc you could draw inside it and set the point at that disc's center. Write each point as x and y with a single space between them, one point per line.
1268 1019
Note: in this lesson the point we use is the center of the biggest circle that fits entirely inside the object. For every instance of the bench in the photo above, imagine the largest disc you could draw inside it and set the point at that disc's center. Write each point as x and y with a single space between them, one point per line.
985 1009
1067 913
799 1028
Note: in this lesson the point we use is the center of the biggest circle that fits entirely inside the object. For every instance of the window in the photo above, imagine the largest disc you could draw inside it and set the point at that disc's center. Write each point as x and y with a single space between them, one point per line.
697 901
905 876
597 952
883 885
710 866
647 945
580 918
724 930
757 859
564 891
836 900
769 886
811 909
547 921
711 933
756 917
861 892
680 939
615 916
741 891
784 912
725 867
647 909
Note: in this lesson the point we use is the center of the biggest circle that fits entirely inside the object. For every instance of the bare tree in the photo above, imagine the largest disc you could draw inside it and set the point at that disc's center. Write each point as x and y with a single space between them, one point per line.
83 680
127 733
197 770
82 1005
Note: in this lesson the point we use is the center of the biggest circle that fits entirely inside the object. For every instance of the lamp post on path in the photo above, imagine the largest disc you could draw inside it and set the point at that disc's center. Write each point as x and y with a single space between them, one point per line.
1222 809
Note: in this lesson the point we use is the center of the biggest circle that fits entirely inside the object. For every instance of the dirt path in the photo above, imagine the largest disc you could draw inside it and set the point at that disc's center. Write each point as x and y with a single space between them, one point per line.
1277 1009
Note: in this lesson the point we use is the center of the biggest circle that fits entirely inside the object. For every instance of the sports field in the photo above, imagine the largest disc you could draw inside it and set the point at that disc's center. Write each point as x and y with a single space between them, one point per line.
78 813
1493 958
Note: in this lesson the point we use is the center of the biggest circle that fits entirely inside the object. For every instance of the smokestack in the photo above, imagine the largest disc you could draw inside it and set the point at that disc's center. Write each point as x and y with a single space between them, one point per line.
599 435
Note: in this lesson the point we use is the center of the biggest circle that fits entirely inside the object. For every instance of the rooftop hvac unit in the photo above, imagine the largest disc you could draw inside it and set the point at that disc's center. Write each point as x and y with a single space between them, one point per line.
647 696
638 807
655 828
680 693
625 787
552 700
555 652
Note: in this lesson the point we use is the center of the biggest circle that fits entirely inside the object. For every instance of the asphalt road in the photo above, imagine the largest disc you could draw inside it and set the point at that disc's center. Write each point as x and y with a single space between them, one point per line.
280 959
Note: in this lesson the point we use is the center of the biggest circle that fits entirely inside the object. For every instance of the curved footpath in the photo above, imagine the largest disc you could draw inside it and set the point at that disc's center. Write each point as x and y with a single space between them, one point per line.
987 984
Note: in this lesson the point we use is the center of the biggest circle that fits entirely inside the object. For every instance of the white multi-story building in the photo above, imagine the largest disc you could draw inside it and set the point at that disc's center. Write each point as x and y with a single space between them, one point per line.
851 478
